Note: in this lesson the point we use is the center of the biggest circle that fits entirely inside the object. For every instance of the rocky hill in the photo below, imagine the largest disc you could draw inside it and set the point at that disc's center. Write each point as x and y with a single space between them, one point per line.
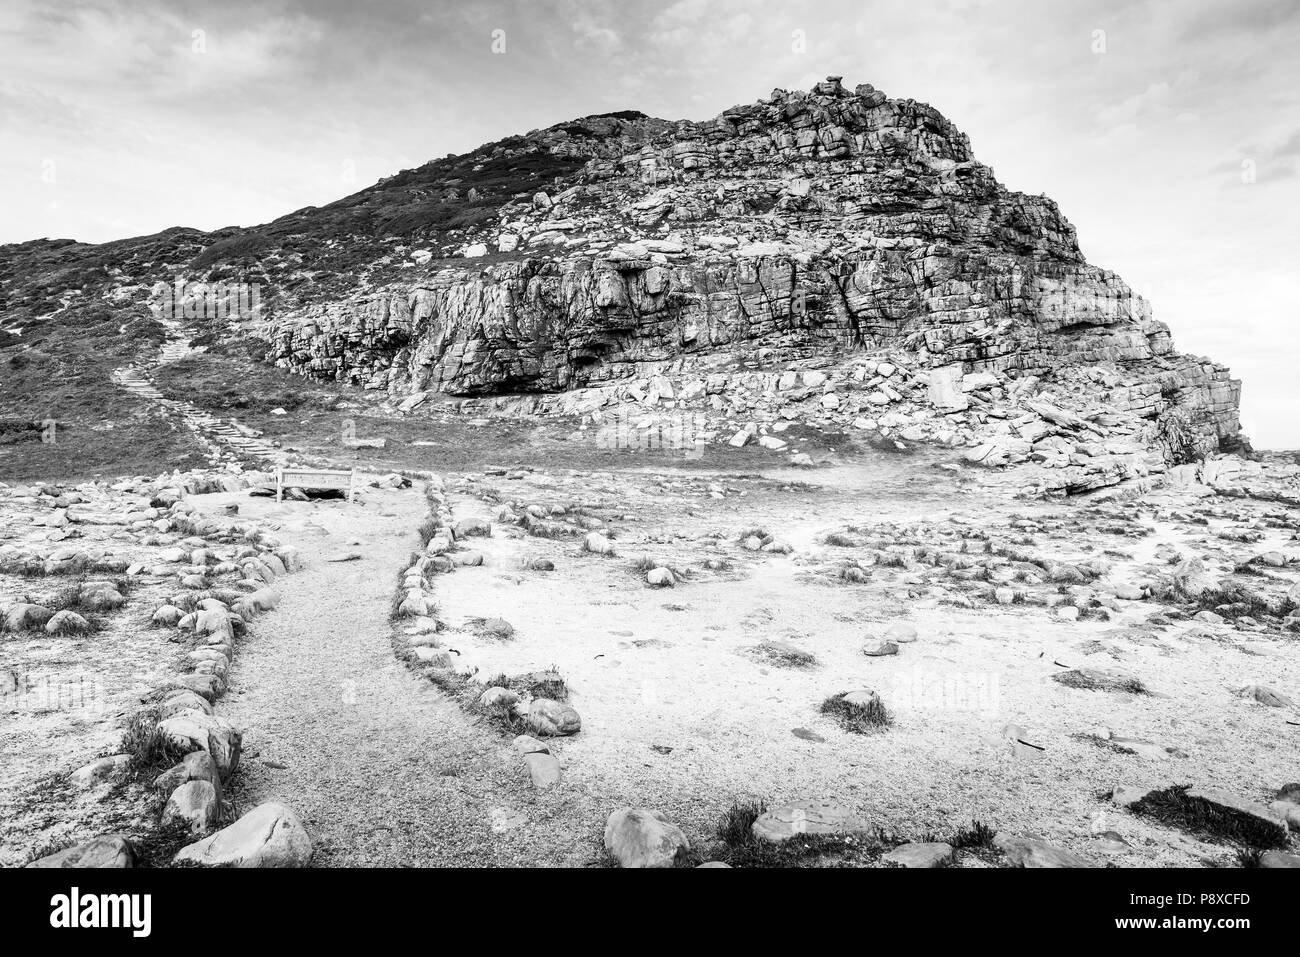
836 258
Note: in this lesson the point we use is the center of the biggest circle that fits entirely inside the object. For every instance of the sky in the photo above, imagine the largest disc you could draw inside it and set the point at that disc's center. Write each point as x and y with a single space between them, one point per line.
1167 130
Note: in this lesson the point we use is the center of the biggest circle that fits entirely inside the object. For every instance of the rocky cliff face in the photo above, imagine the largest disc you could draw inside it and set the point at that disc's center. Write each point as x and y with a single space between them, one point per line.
828 223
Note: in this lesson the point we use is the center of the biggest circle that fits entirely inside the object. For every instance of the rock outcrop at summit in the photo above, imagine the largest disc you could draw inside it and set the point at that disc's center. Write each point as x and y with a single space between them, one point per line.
828 223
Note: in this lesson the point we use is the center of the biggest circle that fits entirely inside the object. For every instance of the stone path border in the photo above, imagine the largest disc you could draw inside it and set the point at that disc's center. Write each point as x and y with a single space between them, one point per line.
416 643
181 709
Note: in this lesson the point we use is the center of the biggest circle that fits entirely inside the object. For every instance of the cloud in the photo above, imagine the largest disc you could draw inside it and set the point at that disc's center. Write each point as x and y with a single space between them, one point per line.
602 40
1275 162
1162 100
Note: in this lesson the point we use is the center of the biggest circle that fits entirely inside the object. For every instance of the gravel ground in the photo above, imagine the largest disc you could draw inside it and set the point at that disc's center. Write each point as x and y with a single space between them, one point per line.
680 716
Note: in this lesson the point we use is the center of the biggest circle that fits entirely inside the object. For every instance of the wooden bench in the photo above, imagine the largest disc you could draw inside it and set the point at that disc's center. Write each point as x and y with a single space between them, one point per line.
315 478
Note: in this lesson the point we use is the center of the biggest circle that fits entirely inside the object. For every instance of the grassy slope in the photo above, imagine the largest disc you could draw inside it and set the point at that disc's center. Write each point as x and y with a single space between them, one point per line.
63 373
63 329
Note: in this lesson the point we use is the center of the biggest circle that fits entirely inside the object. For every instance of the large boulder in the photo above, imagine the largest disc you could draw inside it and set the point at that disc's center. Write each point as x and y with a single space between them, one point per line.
26 615
807 817
210 687
101 596
1033 852
107 851
167 615
945 392
543 769
98 770
194 804
551 718
925 855
637 837
1192 579
472 526
215 623
270 835
215 735
260 601
183 700
195 766
66 622
660 578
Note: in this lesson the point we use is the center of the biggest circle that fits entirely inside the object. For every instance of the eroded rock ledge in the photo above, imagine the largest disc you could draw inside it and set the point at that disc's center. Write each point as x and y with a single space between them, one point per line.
807 224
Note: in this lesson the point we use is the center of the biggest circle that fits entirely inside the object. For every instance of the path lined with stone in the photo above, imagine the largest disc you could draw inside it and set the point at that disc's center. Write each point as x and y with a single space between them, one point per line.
382 768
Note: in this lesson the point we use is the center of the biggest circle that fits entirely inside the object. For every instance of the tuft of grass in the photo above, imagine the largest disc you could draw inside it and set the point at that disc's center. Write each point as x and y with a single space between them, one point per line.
735 827
427 529
395 603
1094 613
785 656
493 628
48 848
1237 599
645 563
537 684
977 835
148 746
543 684
802 851
158 847
500 716
454 684
842 540
858 718
740 848
74 597
1089 679
1173 806
1250 857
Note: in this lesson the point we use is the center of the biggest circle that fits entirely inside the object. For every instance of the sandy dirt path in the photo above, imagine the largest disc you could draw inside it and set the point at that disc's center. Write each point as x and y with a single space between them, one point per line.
381 767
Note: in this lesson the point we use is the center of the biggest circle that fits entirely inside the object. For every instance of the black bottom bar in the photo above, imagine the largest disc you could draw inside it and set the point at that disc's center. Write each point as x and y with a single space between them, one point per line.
334 905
